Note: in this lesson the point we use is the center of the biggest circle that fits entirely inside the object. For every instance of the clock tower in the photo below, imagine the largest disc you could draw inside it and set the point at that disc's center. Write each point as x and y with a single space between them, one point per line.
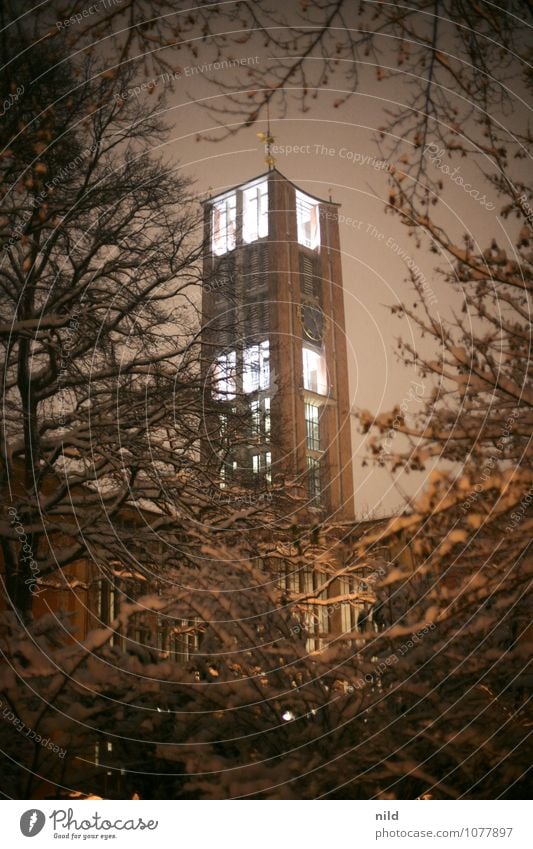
274 342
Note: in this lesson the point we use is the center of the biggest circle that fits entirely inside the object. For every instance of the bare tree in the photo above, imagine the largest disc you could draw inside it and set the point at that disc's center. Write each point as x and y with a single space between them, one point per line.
106 375
247 678
99 331
478 415
404 712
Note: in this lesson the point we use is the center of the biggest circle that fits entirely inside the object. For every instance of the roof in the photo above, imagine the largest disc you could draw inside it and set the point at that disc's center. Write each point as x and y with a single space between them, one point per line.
259 177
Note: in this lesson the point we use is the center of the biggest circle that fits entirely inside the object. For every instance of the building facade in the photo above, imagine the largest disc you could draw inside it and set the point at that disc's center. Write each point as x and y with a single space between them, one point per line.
275 343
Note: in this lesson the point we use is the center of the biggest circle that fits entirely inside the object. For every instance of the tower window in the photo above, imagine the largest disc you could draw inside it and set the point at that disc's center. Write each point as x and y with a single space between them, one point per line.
314 482
315 372
266 418
268 466
256 367
308 221
224 224
312 427
255 409
224 374
260 410
255 212
227 472
262 466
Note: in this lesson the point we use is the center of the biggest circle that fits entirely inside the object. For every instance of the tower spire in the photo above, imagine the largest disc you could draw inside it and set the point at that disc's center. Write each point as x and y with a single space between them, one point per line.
268 140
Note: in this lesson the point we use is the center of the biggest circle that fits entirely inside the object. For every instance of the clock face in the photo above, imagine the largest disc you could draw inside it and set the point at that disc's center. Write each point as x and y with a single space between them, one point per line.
312 322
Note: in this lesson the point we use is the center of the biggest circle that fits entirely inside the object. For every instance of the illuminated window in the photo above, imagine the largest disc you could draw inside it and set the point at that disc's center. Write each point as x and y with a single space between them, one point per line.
255 409
315 623
256 367
224 224
268 467
178 638
255 212
349 609
260 410
312 426
262 466
308 221
227 472
266 418
224 372
314 483
315 373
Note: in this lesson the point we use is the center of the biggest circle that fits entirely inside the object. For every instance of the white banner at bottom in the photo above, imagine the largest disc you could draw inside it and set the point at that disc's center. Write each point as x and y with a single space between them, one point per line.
266 825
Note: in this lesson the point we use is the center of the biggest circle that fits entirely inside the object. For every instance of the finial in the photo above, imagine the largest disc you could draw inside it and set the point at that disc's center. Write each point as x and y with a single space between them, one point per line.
268 140
330 196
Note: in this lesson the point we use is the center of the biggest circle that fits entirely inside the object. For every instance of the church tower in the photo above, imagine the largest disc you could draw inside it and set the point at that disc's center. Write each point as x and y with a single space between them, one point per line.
274 342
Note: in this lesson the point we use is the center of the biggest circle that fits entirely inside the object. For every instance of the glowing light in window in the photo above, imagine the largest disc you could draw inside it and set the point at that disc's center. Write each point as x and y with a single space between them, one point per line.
255 212
256 367
262 465
315 372
308 221
312 426
224 376
224 225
